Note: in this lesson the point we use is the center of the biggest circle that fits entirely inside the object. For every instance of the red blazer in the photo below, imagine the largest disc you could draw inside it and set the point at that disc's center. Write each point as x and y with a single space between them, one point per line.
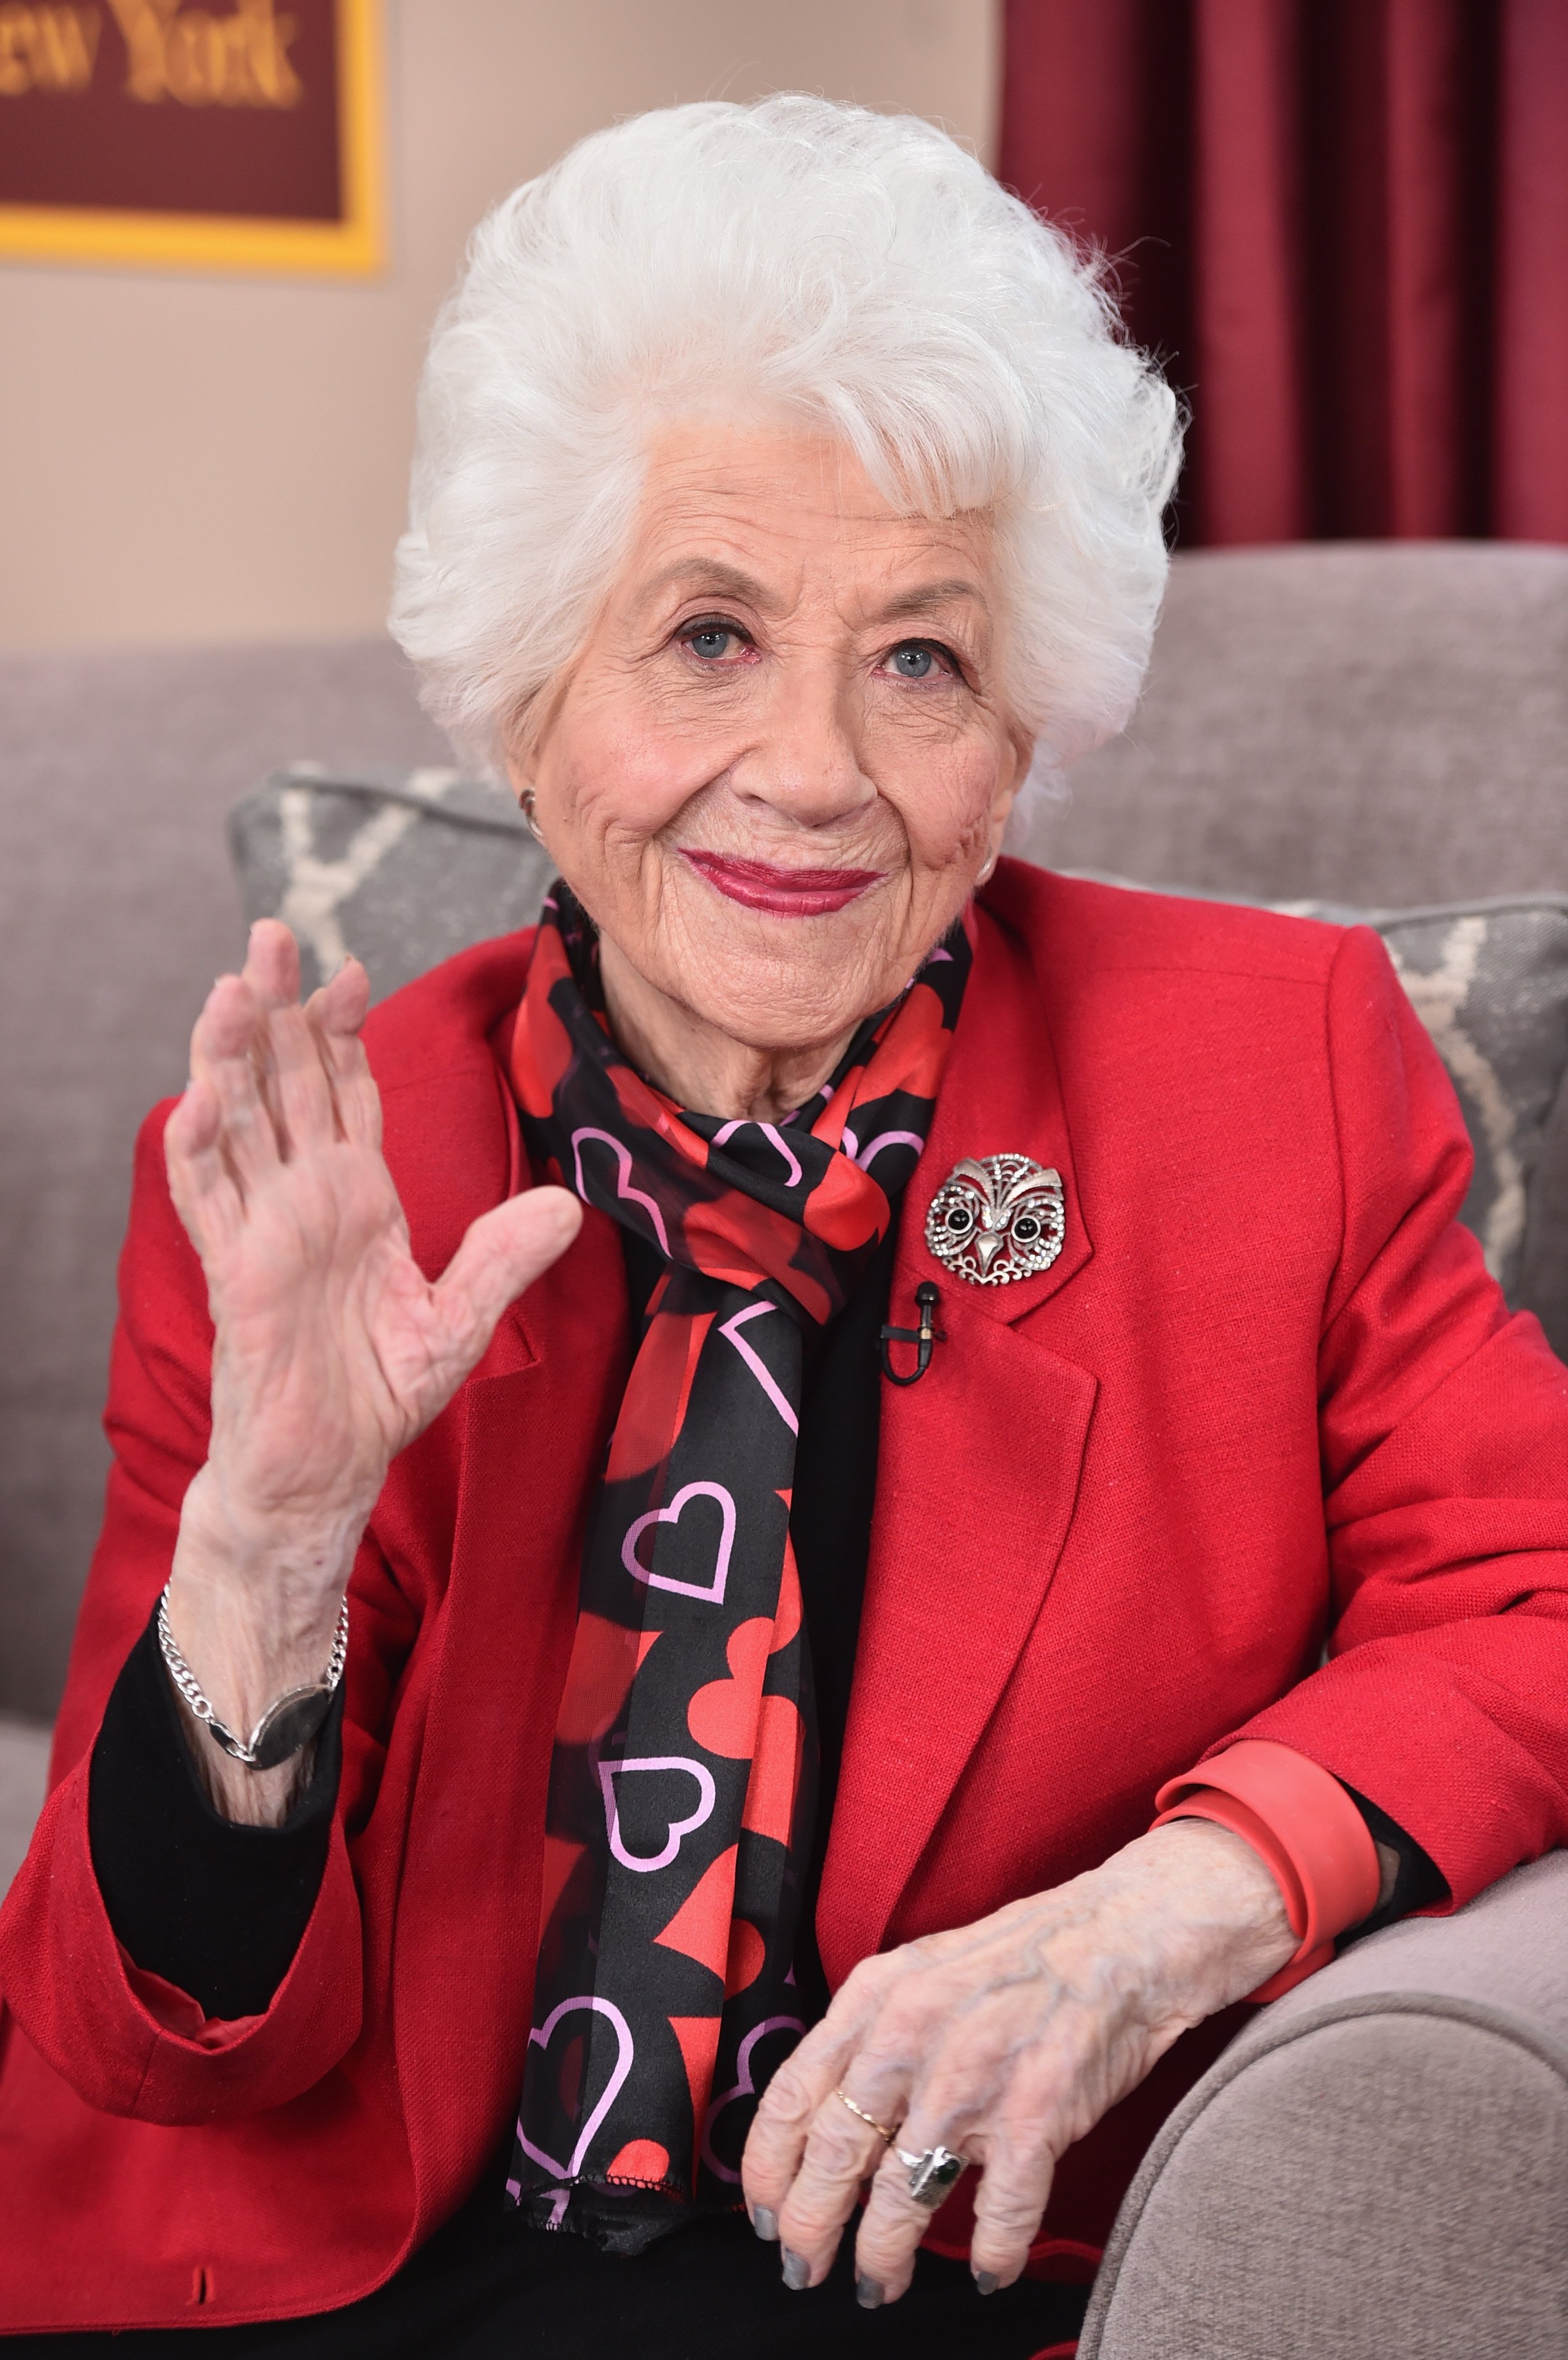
1267 1395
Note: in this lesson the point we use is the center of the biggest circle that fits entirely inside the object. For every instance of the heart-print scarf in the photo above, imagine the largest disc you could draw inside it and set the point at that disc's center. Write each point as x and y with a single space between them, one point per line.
682 1783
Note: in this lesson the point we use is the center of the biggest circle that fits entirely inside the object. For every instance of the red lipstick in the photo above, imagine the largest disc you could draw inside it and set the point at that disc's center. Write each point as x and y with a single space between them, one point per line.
786 892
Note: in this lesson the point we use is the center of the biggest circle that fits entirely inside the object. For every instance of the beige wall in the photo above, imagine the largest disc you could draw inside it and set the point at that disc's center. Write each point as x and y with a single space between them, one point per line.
185 458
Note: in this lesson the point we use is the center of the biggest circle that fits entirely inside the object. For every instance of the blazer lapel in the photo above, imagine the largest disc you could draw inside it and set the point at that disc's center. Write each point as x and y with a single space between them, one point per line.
535 1415
977 1476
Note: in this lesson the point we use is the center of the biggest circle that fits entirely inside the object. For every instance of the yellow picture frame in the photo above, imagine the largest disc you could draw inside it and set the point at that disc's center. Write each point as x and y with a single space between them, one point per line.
351 247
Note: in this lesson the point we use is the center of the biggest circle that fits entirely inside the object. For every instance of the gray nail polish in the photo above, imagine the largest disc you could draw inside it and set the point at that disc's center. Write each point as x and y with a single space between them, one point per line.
986 2282
765 2223
796 2271
868 2293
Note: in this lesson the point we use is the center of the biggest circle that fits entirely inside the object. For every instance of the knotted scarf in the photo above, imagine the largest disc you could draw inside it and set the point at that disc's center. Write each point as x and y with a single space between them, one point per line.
680 1814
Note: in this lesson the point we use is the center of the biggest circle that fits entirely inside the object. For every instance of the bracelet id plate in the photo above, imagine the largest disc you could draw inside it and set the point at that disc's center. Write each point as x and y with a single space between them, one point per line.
287 1723
282 1730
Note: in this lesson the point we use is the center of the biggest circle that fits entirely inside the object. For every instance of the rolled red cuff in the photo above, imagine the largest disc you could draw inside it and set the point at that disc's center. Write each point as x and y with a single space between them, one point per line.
1301 1823
175 2011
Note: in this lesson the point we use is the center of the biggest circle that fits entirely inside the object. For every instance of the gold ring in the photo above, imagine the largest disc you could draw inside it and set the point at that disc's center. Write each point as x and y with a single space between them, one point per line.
877 2126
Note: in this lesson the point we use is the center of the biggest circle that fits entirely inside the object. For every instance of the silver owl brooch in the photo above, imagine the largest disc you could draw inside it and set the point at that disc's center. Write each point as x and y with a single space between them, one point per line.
997 1219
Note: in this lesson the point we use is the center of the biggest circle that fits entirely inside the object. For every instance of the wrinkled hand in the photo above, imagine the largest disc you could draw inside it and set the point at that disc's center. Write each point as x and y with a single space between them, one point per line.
334 1351
331 1350
1005 2041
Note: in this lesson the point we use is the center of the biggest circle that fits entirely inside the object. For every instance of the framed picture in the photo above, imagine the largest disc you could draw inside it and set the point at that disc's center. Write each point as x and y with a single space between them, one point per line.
238 137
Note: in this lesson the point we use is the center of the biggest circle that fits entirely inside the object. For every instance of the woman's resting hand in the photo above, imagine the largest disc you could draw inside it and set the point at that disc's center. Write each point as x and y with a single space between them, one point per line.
1006 2041
333 1350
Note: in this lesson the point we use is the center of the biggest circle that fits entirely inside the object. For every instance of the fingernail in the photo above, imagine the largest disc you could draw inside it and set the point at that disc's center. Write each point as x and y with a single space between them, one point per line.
796 2271
986 2282
765 2223
868 2293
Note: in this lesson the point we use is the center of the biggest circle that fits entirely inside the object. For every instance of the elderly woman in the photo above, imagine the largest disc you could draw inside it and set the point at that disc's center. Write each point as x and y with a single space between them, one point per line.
686 1492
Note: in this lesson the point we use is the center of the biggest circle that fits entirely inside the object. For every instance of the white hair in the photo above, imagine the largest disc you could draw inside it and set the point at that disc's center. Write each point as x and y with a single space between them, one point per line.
802 262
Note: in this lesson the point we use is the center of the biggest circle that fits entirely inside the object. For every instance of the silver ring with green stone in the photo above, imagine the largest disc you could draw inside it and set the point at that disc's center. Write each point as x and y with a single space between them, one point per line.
933 2174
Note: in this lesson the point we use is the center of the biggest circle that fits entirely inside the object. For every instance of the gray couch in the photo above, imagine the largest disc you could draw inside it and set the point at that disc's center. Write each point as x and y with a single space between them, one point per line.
1377 2169
1376 2165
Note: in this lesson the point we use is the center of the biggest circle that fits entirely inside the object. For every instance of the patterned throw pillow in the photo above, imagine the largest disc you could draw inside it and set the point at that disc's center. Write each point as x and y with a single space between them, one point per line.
404 868
1490 984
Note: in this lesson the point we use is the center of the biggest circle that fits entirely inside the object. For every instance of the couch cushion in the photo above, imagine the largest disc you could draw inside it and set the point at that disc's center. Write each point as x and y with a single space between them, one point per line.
1378 721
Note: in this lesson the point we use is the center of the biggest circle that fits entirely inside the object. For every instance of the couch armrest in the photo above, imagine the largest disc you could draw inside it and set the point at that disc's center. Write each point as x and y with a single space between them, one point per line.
1377 2169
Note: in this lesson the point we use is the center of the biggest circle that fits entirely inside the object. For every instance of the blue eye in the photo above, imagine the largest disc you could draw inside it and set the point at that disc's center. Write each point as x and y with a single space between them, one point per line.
712 642
913 661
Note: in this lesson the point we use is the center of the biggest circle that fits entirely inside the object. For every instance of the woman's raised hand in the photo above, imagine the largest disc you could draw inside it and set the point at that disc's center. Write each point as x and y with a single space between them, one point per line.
1003 2042
333 1350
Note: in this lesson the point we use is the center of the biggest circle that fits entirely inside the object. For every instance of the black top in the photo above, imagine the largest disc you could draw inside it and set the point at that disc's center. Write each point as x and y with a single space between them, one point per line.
219 1910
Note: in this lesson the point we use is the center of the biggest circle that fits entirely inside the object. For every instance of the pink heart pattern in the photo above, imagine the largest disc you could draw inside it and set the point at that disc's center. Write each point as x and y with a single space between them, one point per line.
745 2088
713 1591
608 1774
626 2049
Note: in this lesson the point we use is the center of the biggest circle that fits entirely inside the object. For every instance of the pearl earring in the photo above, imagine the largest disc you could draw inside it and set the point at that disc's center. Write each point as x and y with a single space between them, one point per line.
527 800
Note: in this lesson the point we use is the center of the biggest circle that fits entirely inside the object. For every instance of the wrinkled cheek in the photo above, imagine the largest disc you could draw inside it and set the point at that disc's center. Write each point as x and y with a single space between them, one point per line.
615 778
605 837
947 816
608 804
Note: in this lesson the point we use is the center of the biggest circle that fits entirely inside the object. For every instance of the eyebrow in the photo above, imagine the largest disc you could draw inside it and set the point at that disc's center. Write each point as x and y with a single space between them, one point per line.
927 598
711 577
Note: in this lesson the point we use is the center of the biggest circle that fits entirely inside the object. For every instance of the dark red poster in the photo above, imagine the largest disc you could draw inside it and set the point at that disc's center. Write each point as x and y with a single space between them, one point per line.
142 130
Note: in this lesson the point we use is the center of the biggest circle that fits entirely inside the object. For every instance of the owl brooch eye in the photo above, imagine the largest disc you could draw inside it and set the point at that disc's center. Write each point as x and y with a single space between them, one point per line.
997 1219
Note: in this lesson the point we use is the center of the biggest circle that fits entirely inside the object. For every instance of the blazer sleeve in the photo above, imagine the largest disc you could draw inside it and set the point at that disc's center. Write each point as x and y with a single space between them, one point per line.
1444 1426
127 2042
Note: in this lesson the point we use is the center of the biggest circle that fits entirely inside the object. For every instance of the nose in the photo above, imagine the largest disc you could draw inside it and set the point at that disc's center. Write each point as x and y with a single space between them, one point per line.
805 762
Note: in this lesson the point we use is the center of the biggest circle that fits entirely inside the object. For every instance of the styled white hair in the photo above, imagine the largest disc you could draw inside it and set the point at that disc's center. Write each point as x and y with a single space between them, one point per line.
793 261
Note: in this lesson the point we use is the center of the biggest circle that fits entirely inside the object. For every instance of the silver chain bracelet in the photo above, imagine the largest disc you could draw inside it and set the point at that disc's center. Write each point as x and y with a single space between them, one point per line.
284 1726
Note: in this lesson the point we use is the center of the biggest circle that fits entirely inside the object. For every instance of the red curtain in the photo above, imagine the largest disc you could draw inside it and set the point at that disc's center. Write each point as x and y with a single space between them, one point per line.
1342 224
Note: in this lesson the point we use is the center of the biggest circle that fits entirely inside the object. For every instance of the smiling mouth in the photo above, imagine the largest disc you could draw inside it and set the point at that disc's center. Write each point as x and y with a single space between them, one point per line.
787 892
